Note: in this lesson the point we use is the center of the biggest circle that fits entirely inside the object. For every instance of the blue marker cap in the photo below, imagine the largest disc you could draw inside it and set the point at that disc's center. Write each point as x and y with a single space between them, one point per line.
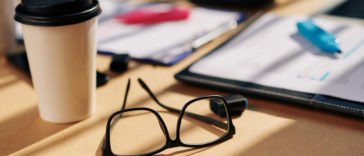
322 39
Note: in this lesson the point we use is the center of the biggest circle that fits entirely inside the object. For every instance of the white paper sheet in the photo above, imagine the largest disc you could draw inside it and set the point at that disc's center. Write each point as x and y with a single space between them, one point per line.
272 53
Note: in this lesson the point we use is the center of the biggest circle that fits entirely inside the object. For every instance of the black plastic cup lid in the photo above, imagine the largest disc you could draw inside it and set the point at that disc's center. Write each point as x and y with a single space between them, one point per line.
56 12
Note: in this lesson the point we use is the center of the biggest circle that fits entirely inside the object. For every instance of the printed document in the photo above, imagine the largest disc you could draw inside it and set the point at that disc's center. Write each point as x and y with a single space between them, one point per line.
271 52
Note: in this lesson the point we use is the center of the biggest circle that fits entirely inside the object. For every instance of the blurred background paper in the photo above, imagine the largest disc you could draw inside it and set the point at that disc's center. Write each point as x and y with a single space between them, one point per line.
162 43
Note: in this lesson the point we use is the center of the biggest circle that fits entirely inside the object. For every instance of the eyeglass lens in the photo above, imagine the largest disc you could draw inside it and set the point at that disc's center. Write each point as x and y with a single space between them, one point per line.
136 132
194 131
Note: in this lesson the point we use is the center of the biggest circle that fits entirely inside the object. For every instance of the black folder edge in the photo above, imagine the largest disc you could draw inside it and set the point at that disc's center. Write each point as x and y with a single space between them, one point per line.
313 100
324 102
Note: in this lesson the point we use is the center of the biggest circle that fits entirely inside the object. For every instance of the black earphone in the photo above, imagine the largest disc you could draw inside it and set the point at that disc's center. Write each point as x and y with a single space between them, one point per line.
119 64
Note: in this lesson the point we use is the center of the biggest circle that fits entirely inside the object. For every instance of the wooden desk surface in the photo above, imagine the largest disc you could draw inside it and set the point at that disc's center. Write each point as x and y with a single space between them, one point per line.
267 128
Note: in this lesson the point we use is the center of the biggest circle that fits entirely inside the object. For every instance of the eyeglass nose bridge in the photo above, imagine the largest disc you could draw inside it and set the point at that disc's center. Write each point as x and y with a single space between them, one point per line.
174 143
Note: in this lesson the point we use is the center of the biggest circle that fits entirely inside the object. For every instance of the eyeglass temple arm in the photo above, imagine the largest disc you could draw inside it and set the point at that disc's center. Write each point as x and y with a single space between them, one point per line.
124 103
193 115
208 120
103 143
126 95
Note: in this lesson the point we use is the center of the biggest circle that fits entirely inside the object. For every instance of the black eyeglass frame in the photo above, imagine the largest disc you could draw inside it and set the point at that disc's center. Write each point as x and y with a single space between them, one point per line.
106 148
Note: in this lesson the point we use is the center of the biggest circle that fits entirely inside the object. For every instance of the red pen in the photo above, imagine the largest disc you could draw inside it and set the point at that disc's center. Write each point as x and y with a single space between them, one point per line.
149 16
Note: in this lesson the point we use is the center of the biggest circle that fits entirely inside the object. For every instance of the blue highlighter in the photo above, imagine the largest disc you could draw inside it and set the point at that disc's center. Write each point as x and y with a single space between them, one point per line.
319 37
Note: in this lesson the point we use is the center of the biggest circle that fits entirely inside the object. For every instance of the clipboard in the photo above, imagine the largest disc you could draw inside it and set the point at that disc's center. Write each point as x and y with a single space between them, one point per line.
316 100
163 43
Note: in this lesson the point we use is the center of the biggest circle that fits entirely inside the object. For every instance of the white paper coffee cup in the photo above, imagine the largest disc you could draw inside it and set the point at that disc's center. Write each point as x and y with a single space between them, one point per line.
61 50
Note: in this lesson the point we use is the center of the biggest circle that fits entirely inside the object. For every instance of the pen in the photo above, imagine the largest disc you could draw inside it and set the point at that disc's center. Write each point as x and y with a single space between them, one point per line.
180 51
319 37
222 29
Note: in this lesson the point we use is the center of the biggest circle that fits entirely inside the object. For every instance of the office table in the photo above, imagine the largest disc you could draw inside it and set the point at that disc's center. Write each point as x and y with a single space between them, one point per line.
265 128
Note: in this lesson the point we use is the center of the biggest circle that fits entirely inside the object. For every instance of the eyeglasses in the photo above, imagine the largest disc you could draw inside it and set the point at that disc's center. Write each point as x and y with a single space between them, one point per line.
142 131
